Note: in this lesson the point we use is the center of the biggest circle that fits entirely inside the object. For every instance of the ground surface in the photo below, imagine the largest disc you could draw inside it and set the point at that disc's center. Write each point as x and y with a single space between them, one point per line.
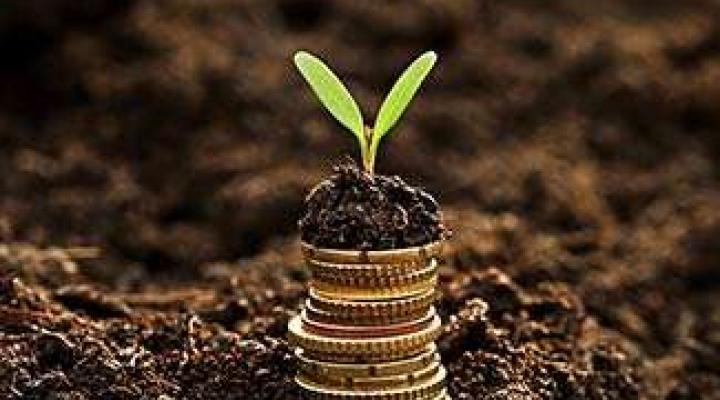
573 146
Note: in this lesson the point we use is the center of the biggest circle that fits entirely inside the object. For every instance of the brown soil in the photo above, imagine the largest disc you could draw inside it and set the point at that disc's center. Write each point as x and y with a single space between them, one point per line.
354 210
573 145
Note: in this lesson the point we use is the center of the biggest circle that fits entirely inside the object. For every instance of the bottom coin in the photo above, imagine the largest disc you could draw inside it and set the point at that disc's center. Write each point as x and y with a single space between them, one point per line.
376 382
430 389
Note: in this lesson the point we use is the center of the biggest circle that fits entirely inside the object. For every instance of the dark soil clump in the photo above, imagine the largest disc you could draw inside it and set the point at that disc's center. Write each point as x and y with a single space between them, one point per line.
354 210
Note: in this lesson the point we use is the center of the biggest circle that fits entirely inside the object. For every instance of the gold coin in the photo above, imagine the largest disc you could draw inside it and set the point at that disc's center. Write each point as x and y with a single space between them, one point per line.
429 389
366 331
369 312
375 383
362 320
410 254
379 293
351 281
311 367
340 357
382 348
384 292
367 271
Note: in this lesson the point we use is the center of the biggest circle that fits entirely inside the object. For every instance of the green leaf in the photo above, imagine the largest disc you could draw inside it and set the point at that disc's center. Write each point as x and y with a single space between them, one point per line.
400 95
331 92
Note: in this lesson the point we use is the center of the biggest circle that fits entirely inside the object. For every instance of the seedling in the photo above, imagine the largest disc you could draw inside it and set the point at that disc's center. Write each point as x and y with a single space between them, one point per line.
337 100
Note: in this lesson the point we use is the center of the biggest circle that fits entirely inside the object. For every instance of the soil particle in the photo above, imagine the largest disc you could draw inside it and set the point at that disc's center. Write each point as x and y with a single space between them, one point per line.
54 350
85 299
354 210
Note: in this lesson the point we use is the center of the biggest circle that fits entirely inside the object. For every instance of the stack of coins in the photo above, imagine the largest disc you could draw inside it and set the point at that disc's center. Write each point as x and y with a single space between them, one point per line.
368 328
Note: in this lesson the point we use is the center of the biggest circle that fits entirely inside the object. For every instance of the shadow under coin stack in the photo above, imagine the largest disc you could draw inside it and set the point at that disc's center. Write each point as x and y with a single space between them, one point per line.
368 328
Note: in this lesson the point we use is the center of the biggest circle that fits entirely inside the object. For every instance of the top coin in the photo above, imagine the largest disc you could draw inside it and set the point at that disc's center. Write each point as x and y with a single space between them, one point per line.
409 254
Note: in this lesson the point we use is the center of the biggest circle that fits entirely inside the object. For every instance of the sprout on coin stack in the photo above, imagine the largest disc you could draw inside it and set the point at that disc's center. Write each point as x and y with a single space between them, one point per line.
371 242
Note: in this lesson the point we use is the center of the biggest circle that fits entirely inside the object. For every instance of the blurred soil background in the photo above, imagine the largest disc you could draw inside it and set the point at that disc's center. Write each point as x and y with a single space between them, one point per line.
573 145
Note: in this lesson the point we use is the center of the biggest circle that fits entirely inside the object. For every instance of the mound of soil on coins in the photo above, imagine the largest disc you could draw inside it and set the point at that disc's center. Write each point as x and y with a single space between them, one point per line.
354 210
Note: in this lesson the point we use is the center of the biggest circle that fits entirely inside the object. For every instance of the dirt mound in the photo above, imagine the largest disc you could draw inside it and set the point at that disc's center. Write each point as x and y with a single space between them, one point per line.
353 210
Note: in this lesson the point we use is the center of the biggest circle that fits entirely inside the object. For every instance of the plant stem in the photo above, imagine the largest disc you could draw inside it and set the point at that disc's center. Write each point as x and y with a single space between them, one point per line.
367 156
